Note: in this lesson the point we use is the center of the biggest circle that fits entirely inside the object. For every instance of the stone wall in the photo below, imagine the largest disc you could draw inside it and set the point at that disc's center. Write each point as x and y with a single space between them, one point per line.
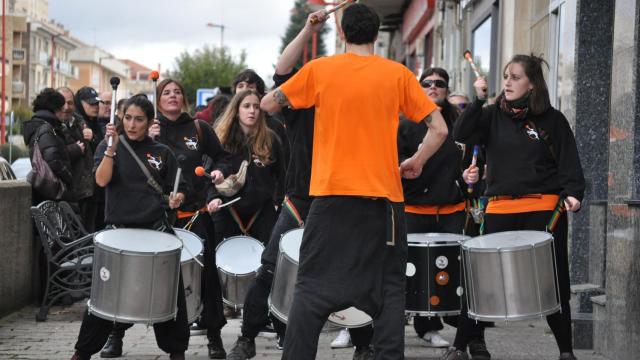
16 246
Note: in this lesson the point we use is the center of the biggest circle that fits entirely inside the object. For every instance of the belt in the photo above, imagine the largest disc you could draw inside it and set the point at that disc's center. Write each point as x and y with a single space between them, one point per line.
444 209
507 204
186 214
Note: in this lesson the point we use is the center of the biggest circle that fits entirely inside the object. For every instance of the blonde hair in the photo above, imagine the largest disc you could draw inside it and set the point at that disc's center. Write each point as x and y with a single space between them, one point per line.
233 138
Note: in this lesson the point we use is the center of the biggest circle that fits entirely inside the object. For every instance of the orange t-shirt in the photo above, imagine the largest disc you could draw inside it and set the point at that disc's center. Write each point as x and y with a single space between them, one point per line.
358 100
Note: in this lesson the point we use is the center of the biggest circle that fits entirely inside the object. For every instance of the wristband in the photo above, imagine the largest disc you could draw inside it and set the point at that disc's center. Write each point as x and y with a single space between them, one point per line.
108 155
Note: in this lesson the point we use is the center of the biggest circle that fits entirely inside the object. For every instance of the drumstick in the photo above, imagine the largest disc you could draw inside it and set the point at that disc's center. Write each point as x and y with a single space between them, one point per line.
154 77
114 81
314 20
467 55
229 202
175 183
474 159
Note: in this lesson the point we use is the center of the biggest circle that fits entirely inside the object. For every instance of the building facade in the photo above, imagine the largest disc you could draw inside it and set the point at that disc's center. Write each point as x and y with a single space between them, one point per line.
96 67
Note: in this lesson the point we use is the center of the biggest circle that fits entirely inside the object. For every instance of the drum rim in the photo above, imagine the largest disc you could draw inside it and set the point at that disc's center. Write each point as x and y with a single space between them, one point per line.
334 323
132 252
280 250
433 313
490 318
545 242
200 254
103 315
224 240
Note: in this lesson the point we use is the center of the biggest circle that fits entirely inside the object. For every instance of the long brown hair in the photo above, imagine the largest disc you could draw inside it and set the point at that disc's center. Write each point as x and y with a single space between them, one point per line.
233 138
162 84
539 99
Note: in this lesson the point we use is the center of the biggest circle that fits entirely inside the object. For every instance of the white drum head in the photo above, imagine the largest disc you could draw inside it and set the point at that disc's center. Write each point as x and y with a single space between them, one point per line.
508 240
191 242
350 318
137 240
290 244
239 255
425 239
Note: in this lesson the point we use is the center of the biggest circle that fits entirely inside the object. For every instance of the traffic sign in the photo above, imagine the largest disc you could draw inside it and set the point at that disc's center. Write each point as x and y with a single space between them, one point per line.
202 95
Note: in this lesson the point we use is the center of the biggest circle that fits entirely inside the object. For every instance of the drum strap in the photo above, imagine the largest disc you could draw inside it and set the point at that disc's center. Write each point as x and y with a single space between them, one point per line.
236 217
555 216
291 208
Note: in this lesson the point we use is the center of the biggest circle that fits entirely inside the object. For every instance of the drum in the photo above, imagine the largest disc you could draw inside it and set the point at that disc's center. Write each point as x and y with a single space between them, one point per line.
511 276
434 286
238 260
135 276
284 281
192 249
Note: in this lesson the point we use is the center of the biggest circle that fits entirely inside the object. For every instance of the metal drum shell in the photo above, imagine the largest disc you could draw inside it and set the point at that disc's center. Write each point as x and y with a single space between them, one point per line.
284 280
432 244
192 277
236 285
140 287
512 283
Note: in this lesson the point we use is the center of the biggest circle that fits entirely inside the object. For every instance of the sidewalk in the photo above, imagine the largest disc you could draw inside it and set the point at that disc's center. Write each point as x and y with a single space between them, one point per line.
22 338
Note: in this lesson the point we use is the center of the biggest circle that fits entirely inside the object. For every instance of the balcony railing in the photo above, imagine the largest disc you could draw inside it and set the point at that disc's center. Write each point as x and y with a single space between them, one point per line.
19 55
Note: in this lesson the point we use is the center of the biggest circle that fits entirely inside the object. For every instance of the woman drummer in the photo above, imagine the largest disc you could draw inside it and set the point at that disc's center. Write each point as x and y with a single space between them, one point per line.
256 150
534 174
132 203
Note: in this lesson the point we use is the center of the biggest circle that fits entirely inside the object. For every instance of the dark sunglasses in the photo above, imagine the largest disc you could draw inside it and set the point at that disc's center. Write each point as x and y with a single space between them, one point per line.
462 105
438 83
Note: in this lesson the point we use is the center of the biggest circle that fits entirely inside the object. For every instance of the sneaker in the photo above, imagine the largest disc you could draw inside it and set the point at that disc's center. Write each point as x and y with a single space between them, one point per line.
113 347
216 349
243 349
568 356
433 339
363 353
478 349
454 354
196 329
343 340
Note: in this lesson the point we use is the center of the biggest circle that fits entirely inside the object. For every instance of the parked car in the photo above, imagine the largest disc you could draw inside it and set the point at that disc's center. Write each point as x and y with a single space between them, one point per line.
5 170
21 167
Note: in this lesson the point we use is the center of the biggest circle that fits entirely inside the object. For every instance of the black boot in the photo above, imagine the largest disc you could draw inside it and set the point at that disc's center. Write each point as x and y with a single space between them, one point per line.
243 349
113 347
216 349
478 349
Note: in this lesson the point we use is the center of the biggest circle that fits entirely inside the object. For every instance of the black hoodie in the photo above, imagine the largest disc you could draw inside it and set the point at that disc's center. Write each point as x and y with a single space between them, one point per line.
535 155
45 126
182 137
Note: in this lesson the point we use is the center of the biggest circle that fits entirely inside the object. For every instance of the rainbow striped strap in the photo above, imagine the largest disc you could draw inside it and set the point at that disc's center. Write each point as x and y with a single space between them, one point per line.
555 216
288 204
236 217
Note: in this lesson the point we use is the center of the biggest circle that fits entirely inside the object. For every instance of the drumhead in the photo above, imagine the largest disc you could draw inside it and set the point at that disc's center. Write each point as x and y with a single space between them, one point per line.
191 242
508 240
239 255
430 239
350 318
137 240
290 244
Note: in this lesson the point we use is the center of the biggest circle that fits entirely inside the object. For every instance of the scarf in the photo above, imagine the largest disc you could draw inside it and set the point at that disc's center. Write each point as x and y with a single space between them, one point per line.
517 109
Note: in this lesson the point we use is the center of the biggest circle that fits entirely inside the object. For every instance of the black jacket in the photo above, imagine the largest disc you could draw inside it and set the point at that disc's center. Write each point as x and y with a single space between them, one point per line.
45 126
130 200
81 162
537 155
299 126
183 139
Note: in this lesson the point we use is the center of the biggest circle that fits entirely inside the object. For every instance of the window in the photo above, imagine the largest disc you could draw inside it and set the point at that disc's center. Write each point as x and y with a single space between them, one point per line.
482 46
558 82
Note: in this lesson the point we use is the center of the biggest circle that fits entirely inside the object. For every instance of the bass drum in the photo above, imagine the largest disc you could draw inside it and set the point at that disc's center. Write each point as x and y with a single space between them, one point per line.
135 276
192 249
284 281
238 260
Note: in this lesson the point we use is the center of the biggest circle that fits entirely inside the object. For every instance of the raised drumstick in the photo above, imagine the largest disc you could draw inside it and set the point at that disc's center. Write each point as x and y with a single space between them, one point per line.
467 55
154 77
314 20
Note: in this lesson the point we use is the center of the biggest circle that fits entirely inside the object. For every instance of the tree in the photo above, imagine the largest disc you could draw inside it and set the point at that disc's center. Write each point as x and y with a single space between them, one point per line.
206 68
298 19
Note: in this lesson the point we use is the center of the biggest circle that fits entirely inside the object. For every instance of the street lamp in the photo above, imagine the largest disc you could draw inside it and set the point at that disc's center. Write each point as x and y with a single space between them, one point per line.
221 27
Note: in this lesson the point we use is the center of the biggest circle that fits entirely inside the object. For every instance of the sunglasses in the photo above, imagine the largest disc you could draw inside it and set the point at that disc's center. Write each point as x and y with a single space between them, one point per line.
462 105
438 83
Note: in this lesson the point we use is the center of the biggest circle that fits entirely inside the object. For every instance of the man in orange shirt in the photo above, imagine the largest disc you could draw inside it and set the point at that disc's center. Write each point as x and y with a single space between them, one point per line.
354 248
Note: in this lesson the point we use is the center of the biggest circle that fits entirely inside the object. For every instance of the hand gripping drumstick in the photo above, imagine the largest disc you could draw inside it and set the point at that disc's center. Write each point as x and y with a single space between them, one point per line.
467 55
114 81
154 77
474 160
314 20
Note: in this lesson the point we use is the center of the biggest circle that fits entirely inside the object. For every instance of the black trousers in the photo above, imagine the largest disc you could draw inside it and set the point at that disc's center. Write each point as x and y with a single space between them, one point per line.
450 223
212 316
353 253
559 322
172 336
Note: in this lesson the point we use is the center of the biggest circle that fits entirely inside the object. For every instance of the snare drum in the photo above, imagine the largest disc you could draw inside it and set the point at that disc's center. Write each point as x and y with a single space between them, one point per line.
135 276
511 276
191 272
434 285
238 260
284 281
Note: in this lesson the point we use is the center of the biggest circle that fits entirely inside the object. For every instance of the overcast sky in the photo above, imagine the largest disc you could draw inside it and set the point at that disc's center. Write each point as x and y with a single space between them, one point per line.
156 31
